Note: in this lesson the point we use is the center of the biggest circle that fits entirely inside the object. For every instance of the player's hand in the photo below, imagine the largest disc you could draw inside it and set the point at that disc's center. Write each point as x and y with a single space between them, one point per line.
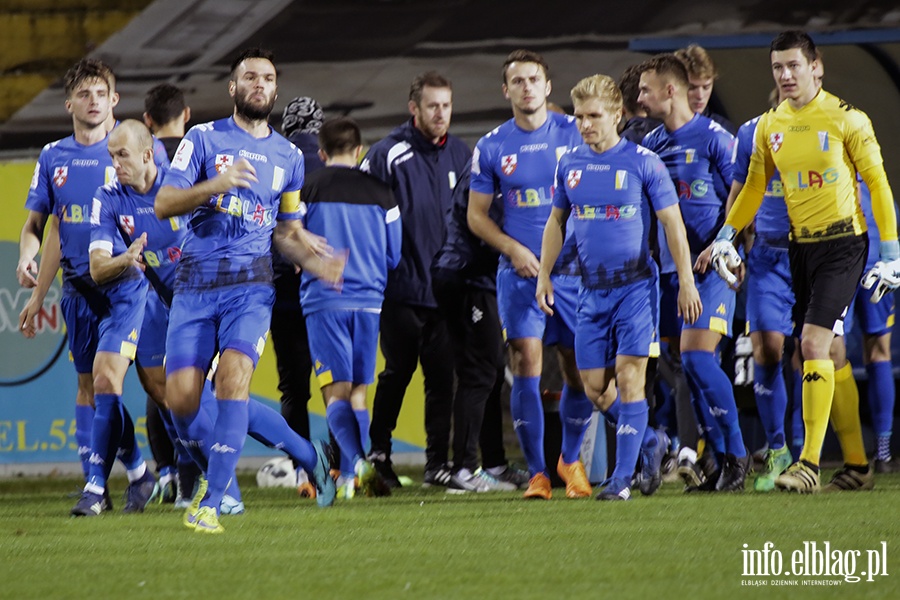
689 305
316 244
135 252
330 269
544 294
882 278
524 262
701 265
27 316
239 175
26 271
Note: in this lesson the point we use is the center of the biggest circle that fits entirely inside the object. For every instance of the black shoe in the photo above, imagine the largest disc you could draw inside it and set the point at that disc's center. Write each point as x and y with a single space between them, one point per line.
690 472
385 470
734 472
439 476
708 484
707 463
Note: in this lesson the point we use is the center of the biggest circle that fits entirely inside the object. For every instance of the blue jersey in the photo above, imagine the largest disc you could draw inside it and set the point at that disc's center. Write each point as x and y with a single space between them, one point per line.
521 166
610 196
773 227
698 156
64 181
120 215
357 214
230 236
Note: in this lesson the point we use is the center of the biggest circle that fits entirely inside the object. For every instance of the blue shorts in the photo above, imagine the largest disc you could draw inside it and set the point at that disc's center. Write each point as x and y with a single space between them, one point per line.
718 305
343 345
622 320
522 318
82 330
120 329
770 296
151 351
874 319
235 317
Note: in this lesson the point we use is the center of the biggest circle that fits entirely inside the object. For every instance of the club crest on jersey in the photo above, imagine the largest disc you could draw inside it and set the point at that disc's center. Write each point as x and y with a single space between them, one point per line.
573 178
223 161
775 141
60 175
509 163
126 222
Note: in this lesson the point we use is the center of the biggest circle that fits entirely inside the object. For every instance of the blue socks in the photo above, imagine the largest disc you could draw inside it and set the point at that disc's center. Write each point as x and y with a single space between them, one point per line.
362 421
229 434
708 381
612 413
129 451
345 428
629 435
106 432
528 421
84 419
771 402
266 425
881 404
575 411
798 433
194 435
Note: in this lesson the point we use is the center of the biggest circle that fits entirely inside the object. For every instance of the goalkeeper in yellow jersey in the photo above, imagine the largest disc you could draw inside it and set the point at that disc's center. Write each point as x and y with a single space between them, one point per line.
818 143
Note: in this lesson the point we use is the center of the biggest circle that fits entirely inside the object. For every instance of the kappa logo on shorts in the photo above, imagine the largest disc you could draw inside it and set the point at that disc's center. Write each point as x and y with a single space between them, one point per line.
60 176
509 163
721 310
223 161
573 178
775 141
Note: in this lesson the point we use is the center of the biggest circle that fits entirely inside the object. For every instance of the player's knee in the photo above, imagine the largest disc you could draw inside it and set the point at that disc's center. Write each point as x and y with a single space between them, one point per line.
767 353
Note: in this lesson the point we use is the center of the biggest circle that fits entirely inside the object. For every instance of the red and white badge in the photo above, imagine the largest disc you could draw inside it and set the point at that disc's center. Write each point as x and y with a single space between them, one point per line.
573 178
509 163
223 162
126 222
60 175
775 141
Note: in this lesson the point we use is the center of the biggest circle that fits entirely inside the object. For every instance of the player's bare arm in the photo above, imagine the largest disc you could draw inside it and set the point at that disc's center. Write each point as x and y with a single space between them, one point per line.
523 260
105 267
29 245
174 202
293 241
46 275
551 246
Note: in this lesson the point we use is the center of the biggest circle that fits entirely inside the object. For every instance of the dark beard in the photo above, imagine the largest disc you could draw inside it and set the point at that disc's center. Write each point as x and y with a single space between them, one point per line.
251 112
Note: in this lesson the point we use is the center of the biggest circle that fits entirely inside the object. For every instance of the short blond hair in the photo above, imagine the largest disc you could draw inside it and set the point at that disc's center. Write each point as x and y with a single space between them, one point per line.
697 62
599 86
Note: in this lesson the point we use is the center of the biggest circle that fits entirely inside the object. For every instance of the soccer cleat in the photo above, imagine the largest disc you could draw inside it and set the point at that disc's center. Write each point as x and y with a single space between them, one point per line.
165 490
616 489
383 465
800 478
706 485
231 506
325 488
89 505
776 462
885 466
347 490
538 488
650 476
139 492
573 475
107 501
439 476
190 514
734 473
208 521
367 477
848 479
513 476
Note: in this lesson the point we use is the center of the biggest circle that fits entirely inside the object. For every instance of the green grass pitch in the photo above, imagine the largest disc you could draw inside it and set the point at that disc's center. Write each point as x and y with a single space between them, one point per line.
424 543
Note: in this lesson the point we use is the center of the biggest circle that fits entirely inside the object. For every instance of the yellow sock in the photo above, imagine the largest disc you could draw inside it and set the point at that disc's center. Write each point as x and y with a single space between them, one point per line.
818 391
845 417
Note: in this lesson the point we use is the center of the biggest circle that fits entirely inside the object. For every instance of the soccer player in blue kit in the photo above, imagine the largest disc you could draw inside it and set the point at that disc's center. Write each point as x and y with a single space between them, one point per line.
67 174
358 215
697 152
238 180
518 159
609 186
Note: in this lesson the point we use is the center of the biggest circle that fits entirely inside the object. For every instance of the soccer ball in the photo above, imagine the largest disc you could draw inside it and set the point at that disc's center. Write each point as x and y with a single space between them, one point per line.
277 472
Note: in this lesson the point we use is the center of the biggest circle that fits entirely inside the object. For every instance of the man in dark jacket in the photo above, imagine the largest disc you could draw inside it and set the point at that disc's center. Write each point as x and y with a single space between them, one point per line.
421 163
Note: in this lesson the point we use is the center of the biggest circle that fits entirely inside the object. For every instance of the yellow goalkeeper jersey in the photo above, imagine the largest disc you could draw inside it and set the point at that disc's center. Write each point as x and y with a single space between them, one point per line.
817 150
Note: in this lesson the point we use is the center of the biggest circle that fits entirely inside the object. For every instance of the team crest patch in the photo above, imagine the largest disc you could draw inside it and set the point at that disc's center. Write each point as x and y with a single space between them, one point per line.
573 178
509 163
223 161
775 141
126 222
60 175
